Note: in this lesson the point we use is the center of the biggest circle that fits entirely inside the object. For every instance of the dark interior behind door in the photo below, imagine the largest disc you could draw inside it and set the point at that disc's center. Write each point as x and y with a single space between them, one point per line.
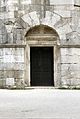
41 67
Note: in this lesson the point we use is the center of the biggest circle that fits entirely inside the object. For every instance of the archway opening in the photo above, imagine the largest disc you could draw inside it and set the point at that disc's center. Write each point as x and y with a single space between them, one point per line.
41 40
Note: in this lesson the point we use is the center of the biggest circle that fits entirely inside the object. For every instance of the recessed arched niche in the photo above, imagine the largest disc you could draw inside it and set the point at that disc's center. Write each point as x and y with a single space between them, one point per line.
42 48
42 31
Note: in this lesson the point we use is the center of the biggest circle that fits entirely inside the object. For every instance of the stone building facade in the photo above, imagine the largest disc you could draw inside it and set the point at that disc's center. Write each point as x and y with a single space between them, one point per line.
27 25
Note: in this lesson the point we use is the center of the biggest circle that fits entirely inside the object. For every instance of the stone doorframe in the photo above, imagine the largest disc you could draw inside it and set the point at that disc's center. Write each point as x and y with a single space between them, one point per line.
43 41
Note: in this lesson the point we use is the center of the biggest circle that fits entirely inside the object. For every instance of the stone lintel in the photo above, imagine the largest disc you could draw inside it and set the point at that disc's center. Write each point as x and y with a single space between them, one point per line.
42 38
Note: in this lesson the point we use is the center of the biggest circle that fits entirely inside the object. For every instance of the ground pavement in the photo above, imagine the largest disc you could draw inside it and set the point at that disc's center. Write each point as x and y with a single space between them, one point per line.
39 104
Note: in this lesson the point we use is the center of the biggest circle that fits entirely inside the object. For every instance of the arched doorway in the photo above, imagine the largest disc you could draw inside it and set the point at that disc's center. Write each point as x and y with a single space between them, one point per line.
40 57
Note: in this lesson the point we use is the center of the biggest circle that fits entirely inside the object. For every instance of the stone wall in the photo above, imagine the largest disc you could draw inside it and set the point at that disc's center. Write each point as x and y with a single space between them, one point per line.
18 16
70 66
11 66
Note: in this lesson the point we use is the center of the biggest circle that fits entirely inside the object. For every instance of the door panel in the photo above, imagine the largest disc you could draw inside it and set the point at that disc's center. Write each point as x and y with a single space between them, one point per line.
41 66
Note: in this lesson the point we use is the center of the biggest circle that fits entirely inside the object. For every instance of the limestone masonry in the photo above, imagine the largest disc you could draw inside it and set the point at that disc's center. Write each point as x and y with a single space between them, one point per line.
39 23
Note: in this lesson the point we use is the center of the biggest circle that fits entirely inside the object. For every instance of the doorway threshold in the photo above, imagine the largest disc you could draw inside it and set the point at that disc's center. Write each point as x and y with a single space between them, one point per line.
41 87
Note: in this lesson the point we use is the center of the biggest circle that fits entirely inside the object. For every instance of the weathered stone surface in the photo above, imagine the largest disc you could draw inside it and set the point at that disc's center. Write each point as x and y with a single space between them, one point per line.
70 65
61 2
11 63
17 17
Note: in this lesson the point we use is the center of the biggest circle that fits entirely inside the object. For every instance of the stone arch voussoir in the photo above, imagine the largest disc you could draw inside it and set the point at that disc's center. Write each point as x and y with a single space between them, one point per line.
32 19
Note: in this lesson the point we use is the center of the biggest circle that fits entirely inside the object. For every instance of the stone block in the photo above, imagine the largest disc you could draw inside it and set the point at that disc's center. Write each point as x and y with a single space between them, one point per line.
16 13
72 67
2 83
3 9
50 18
1 37
20 83
77 2
70 82
0 31
10 14
63 13
11 66
65 29
10 38
5 38
11 7
31 18
16 74
60 2
70 59
9 27
1 74
70 51
10 82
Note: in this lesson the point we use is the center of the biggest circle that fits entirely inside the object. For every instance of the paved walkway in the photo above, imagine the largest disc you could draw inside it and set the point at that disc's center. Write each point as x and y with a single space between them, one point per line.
40 103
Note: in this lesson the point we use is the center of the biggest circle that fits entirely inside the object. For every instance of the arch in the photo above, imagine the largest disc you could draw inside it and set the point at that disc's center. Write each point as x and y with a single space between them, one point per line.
42 30
42 36
32 19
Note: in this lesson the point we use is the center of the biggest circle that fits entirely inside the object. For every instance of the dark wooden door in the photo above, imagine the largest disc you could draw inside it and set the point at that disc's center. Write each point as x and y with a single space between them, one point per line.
41 59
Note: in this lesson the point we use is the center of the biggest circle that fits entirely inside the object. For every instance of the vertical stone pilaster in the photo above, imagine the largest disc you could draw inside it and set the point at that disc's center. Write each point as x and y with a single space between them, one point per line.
27 65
